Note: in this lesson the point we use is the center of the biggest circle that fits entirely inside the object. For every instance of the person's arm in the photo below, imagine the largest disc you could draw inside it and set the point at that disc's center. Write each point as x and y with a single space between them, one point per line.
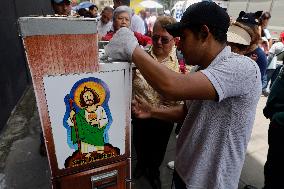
270 42
173 85
141 109
225 79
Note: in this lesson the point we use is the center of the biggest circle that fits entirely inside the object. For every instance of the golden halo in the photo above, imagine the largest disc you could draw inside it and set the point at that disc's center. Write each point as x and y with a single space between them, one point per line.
98 88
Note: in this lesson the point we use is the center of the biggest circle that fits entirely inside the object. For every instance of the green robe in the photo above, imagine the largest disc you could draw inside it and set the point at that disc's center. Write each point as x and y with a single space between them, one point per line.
90 134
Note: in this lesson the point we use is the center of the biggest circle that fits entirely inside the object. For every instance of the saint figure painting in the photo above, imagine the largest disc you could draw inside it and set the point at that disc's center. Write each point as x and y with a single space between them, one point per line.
87 120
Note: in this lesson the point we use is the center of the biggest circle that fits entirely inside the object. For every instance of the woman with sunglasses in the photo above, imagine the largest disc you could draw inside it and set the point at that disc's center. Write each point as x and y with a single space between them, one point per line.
122 18
150 136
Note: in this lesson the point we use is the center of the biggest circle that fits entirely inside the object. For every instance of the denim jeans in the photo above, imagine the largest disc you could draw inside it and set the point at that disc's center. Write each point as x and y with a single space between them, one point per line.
271 75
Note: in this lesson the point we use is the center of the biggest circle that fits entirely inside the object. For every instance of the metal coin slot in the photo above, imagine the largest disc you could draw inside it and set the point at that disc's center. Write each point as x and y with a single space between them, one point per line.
104 180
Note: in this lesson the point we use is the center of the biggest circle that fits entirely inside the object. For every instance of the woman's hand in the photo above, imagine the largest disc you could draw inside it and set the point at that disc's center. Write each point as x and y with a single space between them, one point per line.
141 109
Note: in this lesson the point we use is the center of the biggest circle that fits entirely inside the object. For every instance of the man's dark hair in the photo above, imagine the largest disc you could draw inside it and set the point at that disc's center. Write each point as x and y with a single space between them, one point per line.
210 14
92 7
199 15
96 96
85 13
63 2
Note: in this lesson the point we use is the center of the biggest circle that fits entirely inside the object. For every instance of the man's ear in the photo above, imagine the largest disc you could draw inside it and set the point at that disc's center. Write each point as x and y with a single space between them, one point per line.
204 32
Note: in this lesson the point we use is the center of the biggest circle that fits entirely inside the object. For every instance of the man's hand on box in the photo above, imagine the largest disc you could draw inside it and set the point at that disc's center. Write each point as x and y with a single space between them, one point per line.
122 45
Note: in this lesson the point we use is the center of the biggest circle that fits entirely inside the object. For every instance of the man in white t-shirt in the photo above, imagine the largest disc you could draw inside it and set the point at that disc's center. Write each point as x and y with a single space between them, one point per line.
221 97
105 22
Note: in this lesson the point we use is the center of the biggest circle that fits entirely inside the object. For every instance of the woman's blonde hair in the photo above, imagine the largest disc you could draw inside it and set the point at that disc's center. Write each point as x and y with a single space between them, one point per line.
163 21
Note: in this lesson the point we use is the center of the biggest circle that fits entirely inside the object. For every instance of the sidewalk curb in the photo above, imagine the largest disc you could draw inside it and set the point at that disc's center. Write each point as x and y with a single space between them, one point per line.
17 125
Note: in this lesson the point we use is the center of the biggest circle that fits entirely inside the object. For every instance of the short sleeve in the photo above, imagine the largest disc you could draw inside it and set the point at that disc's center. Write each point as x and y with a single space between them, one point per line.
233 76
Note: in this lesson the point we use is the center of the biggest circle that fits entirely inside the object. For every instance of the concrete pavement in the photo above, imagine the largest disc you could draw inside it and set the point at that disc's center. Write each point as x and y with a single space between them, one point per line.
21 166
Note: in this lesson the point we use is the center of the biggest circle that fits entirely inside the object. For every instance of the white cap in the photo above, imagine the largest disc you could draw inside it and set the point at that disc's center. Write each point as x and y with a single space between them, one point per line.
238 35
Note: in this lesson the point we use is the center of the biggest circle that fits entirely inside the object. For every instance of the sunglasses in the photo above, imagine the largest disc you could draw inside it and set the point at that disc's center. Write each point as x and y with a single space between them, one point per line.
164 39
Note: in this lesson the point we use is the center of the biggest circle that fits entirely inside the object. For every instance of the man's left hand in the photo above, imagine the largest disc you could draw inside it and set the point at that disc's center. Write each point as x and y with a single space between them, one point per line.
141 109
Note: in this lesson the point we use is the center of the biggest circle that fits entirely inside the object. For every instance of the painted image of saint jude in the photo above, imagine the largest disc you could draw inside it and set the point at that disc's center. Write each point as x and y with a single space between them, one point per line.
88 120
89 123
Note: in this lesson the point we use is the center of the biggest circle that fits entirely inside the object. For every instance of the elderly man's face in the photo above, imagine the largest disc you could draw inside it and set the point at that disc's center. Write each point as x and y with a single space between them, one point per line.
63 8
121 20
106 16
163 42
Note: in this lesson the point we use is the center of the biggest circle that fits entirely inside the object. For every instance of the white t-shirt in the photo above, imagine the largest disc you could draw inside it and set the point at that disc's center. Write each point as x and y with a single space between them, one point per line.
104 28
212 142
137 24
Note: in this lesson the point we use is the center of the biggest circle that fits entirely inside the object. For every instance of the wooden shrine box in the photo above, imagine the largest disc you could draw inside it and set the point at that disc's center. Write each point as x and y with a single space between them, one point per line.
84 105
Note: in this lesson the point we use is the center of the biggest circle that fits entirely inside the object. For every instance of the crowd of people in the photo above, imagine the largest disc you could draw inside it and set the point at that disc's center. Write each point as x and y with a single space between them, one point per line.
229 65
